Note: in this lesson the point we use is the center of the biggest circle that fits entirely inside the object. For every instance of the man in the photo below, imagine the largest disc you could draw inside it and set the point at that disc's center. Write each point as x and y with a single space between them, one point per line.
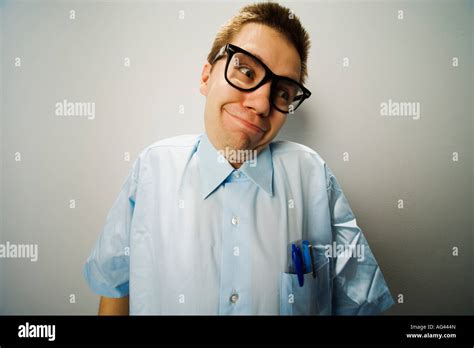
229 222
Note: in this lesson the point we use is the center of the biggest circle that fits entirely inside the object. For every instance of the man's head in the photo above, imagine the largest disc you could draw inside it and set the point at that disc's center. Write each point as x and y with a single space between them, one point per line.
247 120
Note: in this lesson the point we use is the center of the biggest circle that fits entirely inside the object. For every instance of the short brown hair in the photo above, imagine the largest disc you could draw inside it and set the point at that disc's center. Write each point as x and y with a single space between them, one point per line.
273 15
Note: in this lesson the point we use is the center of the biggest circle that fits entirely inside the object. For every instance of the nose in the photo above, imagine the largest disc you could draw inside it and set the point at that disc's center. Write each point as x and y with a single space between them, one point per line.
259 100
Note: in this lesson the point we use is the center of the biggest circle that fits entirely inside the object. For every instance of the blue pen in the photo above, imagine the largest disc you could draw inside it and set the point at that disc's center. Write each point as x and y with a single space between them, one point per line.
306 256
313 265
297 263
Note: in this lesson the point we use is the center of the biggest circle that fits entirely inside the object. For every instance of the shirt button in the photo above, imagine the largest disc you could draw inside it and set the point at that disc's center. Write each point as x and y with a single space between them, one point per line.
235 221
234 298
237 175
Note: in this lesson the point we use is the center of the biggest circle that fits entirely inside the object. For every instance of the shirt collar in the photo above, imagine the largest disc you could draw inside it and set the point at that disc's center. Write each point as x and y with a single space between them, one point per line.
214 168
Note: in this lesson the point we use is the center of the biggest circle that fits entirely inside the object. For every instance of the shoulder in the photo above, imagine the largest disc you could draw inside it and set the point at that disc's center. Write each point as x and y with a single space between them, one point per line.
170 146
284 149
291 155
173 151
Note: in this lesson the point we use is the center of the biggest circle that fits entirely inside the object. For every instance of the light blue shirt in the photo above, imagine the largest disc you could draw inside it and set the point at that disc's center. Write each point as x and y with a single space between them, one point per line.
189 234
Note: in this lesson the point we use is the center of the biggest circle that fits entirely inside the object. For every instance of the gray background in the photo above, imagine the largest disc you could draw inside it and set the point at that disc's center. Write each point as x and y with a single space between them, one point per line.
390 158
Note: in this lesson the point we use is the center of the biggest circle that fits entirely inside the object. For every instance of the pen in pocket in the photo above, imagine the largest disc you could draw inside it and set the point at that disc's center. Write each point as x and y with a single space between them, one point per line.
313 264
298 263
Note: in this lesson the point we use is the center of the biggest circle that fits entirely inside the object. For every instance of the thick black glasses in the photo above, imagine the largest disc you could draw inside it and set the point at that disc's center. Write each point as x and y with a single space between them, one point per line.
248 73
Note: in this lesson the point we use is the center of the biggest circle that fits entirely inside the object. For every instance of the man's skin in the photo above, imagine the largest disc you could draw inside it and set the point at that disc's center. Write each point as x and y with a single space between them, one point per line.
113 306
228 110
226 106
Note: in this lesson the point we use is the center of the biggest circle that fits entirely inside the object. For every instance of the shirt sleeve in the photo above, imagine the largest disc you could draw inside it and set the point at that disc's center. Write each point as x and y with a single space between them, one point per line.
107 268
359 287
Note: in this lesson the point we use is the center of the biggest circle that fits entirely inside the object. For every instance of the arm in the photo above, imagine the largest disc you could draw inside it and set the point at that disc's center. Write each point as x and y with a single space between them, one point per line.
113 306
359 287
107 270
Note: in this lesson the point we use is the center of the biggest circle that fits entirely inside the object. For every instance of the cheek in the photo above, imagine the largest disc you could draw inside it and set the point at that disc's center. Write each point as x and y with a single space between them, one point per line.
222 93
277 122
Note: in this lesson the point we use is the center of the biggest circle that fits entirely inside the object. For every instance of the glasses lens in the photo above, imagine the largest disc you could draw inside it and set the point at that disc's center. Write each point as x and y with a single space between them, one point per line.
244 71
286 95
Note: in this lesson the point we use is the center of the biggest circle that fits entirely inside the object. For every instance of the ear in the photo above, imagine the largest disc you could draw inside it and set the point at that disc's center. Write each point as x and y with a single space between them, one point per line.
205 77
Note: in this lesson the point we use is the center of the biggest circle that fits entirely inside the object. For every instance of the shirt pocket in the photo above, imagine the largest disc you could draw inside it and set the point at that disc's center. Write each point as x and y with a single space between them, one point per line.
313 298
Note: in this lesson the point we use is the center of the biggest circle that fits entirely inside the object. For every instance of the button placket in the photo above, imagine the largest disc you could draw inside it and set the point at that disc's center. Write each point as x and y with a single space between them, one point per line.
235 255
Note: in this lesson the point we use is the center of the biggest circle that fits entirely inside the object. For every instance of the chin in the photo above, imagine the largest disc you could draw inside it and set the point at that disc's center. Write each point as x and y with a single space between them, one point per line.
241 141
237 144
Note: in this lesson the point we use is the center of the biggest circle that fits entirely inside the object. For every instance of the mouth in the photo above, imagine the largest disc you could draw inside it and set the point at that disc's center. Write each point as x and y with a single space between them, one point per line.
245 124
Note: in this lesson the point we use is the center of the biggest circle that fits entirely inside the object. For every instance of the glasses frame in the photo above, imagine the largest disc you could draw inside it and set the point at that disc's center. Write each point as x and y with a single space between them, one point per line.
269 75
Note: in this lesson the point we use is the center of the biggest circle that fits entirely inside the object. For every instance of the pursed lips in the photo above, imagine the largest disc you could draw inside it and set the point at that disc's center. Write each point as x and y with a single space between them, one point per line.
250 124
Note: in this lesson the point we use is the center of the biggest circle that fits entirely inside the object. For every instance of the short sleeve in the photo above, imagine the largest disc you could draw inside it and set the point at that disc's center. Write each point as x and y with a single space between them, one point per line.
359 287
107 268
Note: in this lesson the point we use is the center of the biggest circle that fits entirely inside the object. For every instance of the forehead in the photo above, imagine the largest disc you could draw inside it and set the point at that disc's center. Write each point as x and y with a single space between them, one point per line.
271 48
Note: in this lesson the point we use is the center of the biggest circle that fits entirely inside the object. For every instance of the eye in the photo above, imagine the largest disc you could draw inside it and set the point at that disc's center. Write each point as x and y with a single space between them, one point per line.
247 72
281 93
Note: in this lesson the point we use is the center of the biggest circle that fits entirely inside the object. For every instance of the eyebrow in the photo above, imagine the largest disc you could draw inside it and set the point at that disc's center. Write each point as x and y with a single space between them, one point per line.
259 57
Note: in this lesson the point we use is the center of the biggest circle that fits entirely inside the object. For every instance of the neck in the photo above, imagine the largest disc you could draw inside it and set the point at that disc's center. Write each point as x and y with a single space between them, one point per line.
236 165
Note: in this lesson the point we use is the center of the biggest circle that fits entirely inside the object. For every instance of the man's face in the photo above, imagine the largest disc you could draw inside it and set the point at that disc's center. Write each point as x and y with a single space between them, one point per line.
246 120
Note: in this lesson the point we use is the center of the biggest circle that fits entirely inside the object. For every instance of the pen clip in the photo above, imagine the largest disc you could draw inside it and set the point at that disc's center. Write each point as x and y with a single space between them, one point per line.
306 256
313 263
